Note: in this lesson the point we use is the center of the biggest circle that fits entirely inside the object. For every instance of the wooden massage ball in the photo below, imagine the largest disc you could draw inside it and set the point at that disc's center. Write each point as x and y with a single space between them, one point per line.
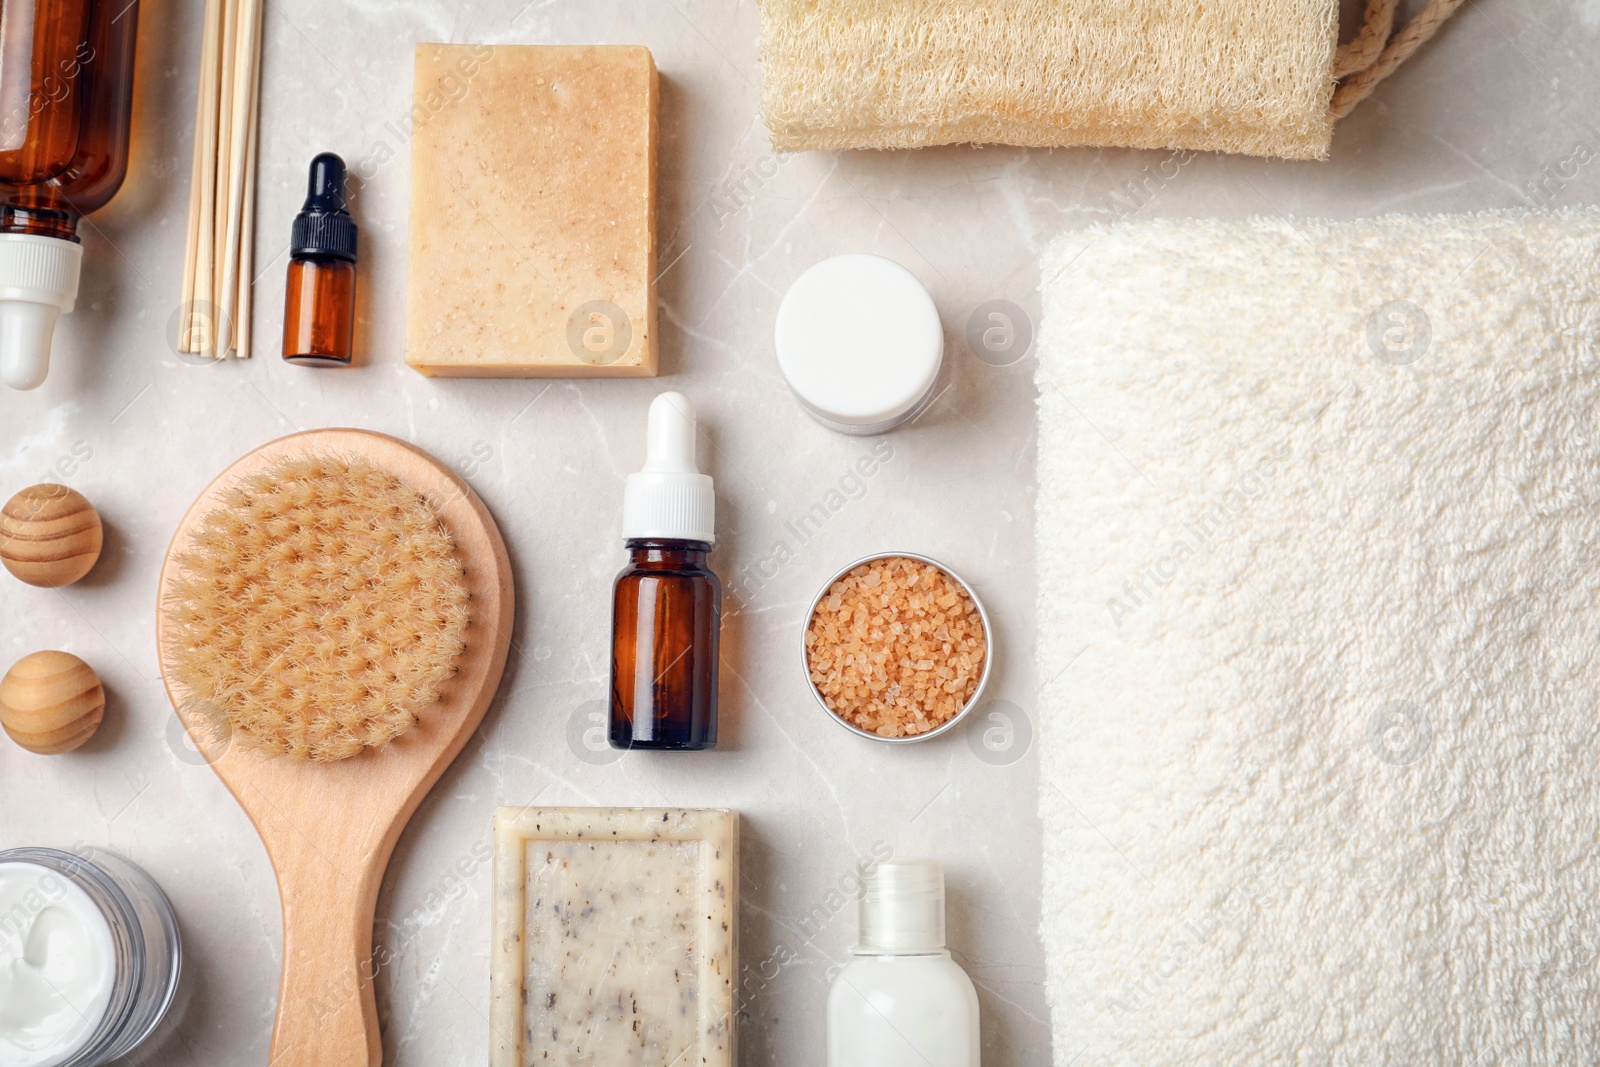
49 535
51 702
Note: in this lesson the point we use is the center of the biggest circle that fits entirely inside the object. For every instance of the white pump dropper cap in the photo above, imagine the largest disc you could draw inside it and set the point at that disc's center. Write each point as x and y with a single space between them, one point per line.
38 281
670 500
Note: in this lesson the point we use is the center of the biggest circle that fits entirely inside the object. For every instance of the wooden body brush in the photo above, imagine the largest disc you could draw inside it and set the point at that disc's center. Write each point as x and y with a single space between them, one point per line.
335 613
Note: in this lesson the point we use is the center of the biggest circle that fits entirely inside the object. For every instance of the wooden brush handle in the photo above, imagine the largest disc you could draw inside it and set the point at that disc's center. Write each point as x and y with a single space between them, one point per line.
327 1015
329 828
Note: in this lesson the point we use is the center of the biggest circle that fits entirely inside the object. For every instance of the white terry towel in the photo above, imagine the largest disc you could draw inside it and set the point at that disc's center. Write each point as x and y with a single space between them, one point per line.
1319 564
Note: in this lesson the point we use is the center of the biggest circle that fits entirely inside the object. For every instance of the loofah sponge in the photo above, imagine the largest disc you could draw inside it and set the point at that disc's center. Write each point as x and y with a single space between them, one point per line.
1248 76
320 611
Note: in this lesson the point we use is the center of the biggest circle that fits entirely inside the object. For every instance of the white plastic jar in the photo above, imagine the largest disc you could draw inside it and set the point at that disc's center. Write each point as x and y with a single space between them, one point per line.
89 958
860 343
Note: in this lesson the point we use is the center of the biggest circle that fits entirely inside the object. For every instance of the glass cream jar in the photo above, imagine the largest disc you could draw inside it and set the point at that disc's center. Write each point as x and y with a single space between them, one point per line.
89 957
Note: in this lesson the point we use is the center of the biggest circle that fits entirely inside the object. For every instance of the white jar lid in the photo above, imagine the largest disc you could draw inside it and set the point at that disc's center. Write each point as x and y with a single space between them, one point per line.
860 342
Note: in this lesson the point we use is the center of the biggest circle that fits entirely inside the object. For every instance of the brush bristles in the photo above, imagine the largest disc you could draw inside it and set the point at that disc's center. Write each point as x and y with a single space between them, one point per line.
319 611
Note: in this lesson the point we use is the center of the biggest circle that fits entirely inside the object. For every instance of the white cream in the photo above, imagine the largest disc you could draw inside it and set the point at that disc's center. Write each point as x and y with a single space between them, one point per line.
57 966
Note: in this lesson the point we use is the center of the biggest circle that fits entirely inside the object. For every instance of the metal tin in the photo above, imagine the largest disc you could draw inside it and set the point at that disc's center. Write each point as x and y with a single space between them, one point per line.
983 679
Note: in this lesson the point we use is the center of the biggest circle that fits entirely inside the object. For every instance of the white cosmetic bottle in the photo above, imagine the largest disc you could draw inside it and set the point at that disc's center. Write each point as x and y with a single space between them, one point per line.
902 1001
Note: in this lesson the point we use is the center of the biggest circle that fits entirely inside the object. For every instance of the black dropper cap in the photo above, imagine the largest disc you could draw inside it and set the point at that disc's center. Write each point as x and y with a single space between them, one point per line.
324 226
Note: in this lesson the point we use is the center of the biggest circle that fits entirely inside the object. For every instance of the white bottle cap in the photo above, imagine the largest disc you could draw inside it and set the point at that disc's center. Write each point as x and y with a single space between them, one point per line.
902 908
38 281
670 500
860 343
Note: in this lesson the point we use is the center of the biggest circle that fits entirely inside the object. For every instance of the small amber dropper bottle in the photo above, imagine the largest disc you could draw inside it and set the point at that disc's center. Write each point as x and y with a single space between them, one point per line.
319 307
667 604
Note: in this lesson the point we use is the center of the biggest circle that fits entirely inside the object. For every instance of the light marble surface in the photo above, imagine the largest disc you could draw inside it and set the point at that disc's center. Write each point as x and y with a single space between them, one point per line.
1504 96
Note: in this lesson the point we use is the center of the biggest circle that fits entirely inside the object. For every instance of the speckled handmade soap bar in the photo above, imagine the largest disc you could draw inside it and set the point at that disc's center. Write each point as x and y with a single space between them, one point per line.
614 937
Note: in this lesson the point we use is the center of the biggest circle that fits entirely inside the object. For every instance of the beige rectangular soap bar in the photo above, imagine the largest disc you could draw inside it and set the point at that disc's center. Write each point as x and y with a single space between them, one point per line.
533 212
615 937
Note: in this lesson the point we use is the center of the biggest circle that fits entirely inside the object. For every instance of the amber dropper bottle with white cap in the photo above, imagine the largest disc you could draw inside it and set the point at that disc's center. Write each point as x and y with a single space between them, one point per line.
666 604
902 1001
66 112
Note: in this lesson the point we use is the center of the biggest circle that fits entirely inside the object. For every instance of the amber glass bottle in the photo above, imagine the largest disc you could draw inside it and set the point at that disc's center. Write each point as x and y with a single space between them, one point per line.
668 612
66 107
666 604
319 305
64 123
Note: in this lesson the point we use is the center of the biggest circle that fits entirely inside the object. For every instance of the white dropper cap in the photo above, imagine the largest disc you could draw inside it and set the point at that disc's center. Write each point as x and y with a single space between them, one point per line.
902 909
670 500
38 281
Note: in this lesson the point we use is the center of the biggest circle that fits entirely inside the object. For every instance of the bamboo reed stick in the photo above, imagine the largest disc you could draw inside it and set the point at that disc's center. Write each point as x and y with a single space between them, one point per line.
247 28
201 235
223 298
246 288
220 253
206 262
